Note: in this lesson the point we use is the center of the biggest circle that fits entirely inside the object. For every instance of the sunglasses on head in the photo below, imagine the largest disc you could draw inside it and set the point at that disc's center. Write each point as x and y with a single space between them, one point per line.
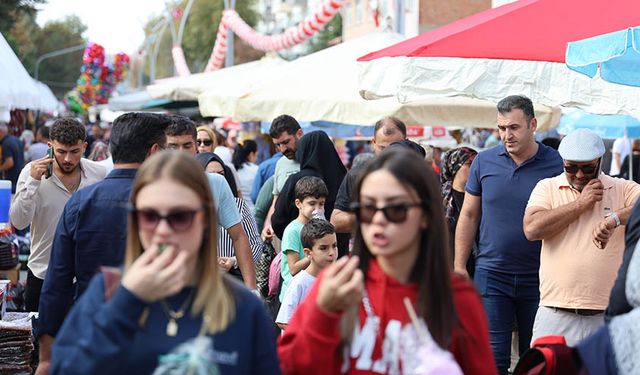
394 213
206 142
586 169
178 220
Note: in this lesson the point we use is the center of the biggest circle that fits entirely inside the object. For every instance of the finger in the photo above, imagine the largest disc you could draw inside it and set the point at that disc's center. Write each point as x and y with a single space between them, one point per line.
175 270
147 256
347 270
162 260
603 235
333 269
356 284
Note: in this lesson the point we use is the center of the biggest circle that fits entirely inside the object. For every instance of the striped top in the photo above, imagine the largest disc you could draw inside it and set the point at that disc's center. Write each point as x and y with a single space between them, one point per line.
225 244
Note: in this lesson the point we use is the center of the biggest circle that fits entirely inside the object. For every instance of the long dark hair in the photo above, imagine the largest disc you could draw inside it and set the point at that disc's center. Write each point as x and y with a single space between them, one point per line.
432 269
241 155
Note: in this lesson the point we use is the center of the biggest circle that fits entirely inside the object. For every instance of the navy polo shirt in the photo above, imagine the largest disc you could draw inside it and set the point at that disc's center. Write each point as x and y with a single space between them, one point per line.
504 189
91 233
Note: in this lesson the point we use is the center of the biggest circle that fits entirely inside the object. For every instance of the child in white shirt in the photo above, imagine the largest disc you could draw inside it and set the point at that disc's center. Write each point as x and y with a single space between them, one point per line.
318 238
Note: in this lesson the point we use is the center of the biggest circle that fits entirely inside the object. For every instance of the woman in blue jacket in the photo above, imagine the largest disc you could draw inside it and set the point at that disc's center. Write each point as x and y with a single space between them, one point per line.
172 311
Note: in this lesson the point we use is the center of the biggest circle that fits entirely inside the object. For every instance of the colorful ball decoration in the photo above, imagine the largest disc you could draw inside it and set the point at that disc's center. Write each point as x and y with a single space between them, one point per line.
97 78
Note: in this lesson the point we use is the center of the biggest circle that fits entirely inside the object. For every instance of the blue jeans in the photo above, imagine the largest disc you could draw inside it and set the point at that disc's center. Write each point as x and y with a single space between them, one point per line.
505 296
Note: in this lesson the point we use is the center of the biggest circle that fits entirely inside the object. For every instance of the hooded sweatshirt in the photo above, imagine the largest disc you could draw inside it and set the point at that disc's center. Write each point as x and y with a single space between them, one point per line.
312 343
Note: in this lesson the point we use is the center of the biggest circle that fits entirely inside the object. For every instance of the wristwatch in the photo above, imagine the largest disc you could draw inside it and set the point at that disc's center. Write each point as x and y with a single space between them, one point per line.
615 218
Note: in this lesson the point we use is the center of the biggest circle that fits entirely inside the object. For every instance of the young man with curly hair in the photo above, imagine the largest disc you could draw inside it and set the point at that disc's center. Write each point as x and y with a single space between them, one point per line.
40 199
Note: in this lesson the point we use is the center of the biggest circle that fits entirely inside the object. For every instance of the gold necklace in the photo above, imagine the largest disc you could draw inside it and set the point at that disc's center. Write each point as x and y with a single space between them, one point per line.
173 316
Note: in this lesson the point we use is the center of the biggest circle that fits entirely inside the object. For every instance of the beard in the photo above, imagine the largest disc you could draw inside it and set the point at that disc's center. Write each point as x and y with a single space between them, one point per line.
67 168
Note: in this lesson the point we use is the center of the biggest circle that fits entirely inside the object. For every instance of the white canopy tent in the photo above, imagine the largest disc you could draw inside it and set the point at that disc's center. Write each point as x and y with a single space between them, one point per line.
18 89
236 79
416 78
324 86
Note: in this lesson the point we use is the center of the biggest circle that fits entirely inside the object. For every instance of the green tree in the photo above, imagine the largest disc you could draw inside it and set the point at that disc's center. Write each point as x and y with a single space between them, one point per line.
327 36
12 10
199 36
21 39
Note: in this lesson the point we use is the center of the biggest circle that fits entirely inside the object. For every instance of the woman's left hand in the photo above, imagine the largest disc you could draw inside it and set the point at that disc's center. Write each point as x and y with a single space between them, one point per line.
225 263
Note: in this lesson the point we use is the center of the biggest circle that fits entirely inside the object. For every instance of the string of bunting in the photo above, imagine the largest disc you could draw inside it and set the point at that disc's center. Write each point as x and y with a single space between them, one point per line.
291 37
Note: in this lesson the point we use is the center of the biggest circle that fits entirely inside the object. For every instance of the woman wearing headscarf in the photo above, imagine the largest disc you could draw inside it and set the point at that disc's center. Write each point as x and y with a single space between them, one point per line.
206 159
455 172
317 157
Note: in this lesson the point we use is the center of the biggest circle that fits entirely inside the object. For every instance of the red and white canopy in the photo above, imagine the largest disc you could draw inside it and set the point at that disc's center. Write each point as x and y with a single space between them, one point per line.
516 48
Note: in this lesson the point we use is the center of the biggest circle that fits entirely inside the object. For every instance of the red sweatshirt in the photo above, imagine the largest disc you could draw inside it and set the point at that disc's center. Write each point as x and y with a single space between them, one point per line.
311 343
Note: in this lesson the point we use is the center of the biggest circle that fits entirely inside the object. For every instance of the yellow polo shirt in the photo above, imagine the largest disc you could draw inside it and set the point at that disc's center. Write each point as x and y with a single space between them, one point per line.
574 273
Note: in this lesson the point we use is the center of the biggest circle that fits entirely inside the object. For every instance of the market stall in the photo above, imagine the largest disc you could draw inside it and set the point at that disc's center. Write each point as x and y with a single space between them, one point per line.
323 86
494 53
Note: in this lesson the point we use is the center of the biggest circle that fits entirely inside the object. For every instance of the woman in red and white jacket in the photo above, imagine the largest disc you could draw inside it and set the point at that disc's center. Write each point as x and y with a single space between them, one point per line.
354 320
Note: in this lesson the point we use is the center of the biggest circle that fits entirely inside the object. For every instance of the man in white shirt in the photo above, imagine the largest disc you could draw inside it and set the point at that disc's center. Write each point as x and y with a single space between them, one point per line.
621 148
40 199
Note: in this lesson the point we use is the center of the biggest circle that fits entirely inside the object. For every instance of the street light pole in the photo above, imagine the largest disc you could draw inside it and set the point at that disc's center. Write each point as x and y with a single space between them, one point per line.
56 53
229 4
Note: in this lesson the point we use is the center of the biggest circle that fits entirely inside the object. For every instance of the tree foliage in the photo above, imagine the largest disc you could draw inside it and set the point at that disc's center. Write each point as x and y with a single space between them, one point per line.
199 36
12 10
30 41
327 36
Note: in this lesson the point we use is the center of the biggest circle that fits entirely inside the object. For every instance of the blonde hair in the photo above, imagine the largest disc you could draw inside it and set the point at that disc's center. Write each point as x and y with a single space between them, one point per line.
210 133
213 298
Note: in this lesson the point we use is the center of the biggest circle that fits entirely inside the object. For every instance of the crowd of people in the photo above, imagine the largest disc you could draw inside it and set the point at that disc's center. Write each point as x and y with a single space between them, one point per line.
398 265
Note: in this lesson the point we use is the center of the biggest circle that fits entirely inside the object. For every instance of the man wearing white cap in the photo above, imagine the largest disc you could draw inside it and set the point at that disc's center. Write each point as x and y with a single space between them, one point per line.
577 216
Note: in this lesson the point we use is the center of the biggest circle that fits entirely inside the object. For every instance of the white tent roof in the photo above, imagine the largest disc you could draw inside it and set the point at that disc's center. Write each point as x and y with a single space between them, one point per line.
48 101
548 83
17 88
324 86
236 79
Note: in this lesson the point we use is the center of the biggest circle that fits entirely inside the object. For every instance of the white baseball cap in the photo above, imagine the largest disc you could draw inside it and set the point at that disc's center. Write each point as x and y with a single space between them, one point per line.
581 145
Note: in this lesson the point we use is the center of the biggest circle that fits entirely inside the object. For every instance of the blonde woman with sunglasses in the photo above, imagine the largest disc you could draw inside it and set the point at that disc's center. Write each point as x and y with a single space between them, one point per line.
206 140
173 311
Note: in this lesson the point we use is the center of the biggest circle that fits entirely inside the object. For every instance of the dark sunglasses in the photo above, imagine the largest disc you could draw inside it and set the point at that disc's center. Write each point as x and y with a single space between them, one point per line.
586 169
206 142
394 213
149 219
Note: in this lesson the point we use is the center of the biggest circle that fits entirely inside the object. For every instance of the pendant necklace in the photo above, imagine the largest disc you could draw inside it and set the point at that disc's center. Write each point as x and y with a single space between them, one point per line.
173 316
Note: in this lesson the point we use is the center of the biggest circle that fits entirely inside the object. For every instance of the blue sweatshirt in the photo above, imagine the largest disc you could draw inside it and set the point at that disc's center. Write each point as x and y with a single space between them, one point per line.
101 337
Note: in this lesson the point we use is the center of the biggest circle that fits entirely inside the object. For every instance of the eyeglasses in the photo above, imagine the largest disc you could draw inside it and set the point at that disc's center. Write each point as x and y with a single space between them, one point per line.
180 220
394 213
206 142
586 169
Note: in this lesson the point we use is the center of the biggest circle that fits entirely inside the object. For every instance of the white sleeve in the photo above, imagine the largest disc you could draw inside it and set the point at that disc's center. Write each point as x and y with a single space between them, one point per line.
23 206
617 146
290 301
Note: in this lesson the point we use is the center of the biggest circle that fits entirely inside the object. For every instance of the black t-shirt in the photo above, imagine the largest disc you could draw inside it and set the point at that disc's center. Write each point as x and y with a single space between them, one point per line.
343 198
12 148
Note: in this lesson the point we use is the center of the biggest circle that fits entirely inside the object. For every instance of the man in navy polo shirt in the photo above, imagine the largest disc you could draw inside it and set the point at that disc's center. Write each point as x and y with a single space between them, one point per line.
507 264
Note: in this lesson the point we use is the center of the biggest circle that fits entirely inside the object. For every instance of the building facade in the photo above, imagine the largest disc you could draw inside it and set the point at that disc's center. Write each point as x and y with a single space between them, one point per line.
408 17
